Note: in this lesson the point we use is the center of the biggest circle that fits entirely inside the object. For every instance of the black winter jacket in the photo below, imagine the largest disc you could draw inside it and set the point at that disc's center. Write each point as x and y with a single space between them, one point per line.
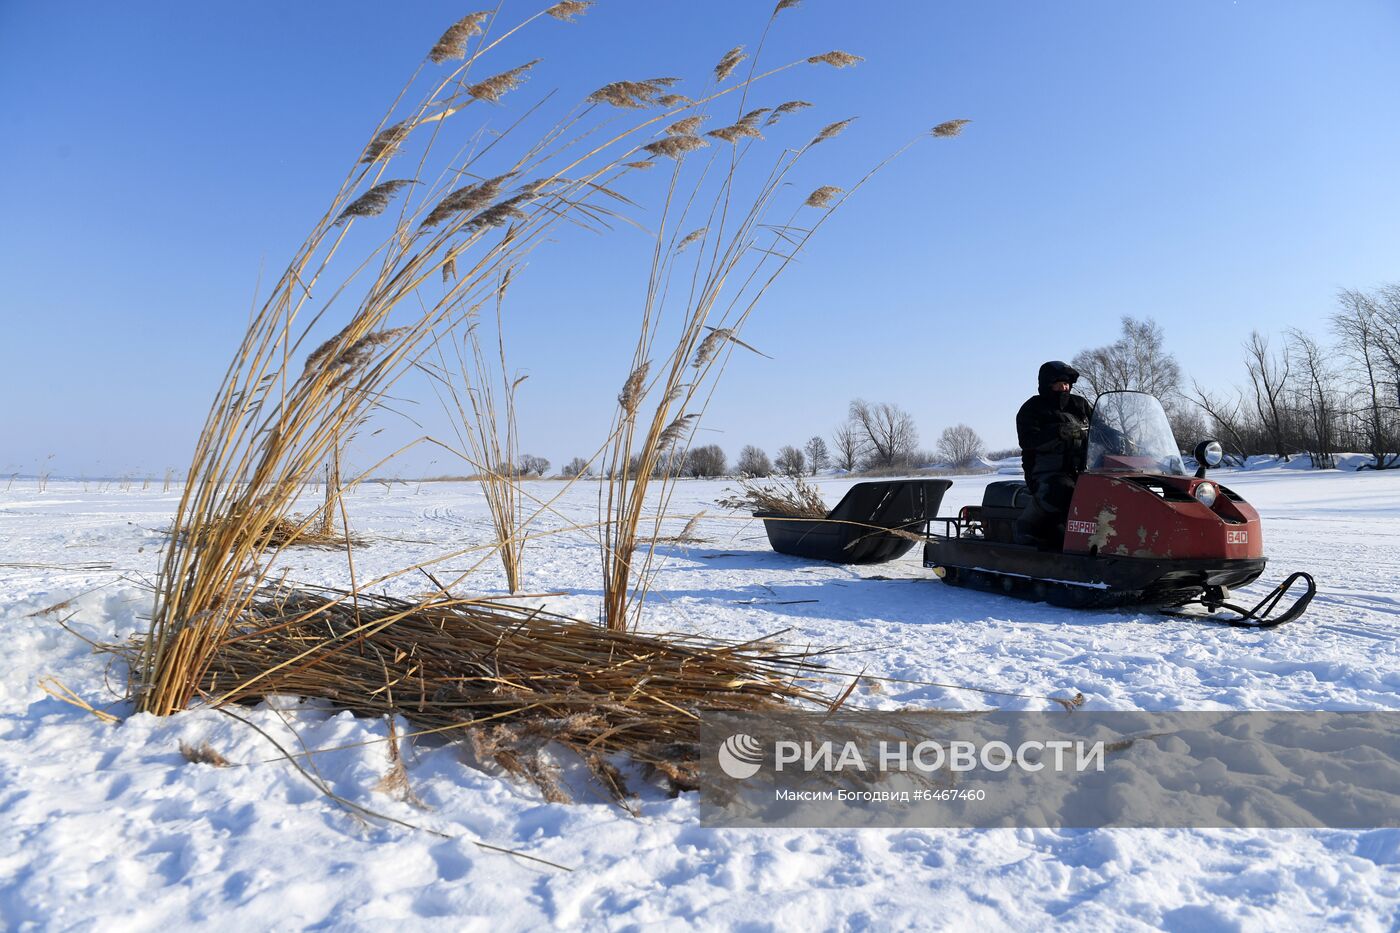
1052 427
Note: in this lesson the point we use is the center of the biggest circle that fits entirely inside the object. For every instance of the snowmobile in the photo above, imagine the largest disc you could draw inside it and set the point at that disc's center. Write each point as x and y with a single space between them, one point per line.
1141 530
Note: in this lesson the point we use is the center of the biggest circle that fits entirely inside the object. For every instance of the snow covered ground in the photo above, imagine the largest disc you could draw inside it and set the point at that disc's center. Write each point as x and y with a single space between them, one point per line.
108 826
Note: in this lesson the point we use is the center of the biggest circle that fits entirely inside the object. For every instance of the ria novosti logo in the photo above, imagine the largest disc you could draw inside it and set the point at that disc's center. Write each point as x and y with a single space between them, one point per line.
740 756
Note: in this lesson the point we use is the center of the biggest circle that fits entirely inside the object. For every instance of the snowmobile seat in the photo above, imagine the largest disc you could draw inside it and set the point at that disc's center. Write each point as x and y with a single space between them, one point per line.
1002 504
1008 494
858 530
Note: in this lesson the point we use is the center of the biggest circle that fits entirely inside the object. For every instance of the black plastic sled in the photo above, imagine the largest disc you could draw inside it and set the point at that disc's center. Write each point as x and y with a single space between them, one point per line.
860 530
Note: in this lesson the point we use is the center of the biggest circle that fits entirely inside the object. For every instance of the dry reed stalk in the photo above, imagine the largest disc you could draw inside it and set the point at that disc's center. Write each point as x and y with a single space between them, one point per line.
332 493
789 497
485 426
395 781
509 677
716 292
687 534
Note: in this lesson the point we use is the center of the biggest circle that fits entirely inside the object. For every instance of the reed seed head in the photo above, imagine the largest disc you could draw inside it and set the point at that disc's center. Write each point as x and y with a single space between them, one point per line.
948 128
569 10
373 202
635 95
690 238
386 141
710 345
354 356
735 132
783 110
497 86
468 198
729 62
453 43
501 213
631 395
822 196
318 356
836 59
785 5
675 432
674 147
832 130
685 127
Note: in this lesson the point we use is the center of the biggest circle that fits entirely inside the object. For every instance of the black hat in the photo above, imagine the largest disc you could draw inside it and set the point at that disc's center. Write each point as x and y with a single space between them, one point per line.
1056 371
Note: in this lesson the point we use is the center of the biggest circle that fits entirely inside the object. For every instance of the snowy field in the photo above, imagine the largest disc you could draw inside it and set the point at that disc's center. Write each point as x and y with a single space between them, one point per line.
109 827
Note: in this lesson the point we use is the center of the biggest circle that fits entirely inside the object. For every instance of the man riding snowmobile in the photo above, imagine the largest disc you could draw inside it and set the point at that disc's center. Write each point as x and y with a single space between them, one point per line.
1051 427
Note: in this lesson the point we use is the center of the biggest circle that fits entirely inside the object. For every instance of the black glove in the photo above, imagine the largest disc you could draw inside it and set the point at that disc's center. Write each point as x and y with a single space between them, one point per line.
1071 433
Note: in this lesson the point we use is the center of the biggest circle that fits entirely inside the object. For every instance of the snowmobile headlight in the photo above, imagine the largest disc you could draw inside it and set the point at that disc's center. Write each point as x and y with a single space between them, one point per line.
1206 493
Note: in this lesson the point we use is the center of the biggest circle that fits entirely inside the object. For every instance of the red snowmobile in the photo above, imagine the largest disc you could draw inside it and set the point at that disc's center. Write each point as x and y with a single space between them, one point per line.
1142 530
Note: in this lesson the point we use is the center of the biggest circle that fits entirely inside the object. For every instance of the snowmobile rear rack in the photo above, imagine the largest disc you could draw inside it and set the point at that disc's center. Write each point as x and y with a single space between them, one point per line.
1261 616
873 523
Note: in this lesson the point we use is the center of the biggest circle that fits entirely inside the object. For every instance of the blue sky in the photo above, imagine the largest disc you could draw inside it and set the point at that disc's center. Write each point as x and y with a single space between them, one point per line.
1218 166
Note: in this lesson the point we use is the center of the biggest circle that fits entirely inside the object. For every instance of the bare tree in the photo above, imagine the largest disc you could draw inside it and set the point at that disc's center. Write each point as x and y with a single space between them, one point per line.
707 461
1362 328
1188 425
848 447
529 463
1317 397
1268 376
888 432
754 462
1137 361
960 445
791 461
577 467
818 457
1227 416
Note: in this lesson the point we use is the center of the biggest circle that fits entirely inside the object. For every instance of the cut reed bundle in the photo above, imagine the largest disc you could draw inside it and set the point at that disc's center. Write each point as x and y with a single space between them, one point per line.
305 531
509 678
790 497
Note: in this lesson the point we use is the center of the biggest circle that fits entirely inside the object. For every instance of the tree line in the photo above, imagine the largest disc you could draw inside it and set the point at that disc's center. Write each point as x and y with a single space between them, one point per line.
1299 393
876 437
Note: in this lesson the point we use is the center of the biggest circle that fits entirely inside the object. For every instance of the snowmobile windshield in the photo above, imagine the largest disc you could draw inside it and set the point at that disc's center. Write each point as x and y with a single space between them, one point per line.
1129 431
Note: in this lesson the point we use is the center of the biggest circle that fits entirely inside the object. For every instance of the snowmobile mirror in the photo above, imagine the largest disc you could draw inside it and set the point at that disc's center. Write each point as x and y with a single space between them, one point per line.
1209 454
